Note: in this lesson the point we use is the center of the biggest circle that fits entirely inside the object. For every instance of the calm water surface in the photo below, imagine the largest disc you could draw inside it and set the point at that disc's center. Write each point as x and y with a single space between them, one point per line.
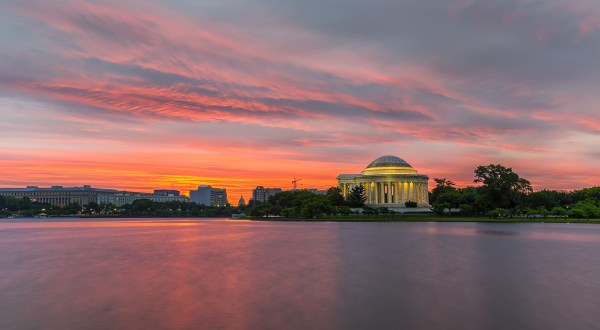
218 274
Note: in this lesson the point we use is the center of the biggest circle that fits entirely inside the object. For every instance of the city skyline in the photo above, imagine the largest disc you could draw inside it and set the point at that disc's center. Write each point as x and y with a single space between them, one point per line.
143 95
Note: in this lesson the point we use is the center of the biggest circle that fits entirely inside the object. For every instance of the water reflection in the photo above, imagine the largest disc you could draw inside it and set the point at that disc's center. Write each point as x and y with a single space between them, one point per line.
189 274
496 232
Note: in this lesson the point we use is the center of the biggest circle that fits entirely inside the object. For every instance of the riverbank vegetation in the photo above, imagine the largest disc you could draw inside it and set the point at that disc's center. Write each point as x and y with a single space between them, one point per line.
24 207
503 194
499 194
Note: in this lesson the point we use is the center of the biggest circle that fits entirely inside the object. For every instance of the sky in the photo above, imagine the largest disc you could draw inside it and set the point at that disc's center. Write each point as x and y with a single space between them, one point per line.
144 95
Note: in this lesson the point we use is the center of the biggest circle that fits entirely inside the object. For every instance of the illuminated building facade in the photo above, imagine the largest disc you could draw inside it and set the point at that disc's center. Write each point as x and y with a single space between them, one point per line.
61 196
389 181
124 197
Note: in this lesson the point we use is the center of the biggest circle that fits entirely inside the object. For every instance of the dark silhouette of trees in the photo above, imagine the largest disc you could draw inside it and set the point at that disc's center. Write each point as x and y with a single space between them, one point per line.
502 187
334 194
356 197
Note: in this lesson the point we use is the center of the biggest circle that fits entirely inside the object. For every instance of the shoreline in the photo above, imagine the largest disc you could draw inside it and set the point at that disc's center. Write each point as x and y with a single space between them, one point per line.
364 219
424 219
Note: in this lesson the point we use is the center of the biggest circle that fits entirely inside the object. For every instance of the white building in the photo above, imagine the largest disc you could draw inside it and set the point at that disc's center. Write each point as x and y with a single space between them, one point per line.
125 197
61 196
209 196
389 181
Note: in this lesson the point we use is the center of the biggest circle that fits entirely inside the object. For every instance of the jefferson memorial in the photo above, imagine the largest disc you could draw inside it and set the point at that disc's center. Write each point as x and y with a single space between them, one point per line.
390 182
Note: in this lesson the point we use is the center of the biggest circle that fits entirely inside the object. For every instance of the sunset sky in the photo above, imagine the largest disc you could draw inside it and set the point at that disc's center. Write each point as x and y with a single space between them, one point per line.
142 95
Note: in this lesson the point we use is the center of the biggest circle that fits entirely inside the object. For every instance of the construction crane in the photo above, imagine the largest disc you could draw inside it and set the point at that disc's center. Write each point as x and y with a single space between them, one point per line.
294 183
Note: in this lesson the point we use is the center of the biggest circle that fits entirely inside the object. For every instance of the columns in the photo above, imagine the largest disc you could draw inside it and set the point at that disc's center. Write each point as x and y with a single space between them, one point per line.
374 190
386 196
414 192
389 192
401 193
417 193
375 193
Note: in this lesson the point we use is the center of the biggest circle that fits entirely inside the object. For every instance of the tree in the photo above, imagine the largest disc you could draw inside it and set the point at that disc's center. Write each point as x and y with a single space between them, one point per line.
315 207
369 210
559 211
261 210
344 210
334 194
502 187
439 208
356 198
542 211
466 209
546 198
442 186
497 213
92 207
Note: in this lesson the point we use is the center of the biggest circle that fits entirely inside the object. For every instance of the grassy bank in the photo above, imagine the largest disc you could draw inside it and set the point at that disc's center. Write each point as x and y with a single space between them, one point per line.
429 218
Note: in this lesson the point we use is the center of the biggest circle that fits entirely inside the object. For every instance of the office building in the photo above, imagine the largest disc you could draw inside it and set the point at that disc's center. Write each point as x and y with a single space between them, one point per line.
209 196
262 194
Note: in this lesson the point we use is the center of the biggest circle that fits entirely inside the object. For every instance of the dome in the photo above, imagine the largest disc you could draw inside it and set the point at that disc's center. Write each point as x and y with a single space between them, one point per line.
388 161
388 165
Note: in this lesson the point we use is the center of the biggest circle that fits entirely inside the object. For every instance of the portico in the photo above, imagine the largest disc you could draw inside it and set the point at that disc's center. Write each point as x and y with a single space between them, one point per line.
389 181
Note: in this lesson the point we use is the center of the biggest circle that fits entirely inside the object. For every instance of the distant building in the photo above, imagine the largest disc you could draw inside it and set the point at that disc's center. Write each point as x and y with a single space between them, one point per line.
201 196
242 202
166 192
218 197
209 196
124 197
317 191
262 194
61 196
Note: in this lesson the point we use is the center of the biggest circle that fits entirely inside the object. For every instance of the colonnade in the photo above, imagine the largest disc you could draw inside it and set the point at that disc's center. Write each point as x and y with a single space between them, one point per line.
391 192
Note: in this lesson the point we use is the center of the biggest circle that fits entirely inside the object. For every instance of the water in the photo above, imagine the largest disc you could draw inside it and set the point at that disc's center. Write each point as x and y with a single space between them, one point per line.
218 274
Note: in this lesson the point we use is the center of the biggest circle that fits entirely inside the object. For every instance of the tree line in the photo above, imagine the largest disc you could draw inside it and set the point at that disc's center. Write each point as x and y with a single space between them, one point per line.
503 193
500 193
140 208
